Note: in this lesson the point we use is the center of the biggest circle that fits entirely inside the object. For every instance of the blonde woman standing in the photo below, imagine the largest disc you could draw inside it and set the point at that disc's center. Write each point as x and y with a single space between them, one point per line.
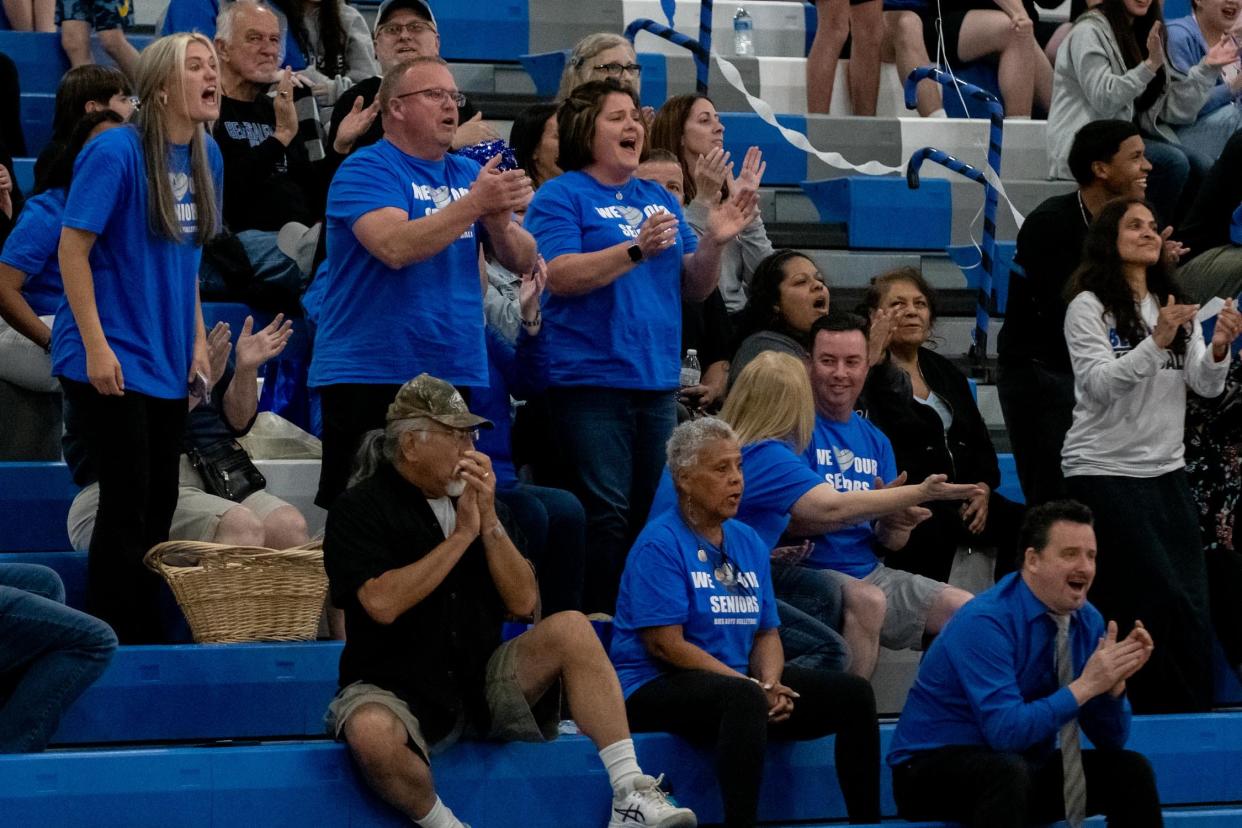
128 344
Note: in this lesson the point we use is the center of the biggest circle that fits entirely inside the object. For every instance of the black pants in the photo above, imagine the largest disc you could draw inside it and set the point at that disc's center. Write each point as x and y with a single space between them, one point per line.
134 444
981 787
732 714
1150 567
349 412
1038 405
1224 569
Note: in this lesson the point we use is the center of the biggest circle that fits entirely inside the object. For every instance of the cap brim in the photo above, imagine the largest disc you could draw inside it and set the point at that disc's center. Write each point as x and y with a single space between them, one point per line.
463 419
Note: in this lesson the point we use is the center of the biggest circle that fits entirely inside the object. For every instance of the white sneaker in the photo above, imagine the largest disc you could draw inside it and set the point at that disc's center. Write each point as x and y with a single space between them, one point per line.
649 807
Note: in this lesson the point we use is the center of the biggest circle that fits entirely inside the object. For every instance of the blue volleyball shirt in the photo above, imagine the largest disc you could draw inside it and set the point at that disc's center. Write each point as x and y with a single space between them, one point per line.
850 456
774 478
31 249
146 286
378 325
626 334
672 576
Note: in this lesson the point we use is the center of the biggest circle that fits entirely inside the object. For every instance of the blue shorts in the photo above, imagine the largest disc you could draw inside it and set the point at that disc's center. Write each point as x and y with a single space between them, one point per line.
103 15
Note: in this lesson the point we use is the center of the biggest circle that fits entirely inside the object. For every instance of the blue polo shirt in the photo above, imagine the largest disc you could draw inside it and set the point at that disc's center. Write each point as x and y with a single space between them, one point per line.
990 679
774 478
382 326
146 286
31 249
672 576
626 334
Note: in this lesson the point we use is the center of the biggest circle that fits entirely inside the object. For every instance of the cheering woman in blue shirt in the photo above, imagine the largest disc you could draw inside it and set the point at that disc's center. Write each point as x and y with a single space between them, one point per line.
620 258
128 342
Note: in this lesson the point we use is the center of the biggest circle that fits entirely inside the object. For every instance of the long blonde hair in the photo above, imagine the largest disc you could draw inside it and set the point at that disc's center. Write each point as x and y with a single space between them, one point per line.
578 68
161 81
771 399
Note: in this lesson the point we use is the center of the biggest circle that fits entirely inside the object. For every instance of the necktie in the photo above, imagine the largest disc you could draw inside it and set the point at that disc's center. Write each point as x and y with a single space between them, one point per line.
1075 782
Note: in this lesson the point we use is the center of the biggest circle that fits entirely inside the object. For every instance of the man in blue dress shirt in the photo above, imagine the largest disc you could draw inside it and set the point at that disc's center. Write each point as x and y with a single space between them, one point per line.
990 732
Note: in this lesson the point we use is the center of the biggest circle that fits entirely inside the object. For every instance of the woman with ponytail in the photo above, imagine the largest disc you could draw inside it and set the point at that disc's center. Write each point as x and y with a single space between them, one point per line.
128 343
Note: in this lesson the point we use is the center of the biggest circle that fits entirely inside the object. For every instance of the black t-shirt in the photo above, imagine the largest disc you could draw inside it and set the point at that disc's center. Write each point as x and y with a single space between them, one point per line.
434 656
1049 251
1207 224
266 184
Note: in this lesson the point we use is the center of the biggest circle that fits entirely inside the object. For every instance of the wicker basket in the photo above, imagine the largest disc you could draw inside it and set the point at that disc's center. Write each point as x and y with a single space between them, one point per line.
236 593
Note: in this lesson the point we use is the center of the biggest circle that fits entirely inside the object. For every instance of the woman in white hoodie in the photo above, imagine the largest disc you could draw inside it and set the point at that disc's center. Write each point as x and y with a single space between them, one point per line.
1112 65
1134 350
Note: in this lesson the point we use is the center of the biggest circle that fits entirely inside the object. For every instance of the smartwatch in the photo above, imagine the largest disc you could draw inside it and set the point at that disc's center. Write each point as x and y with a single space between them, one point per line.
635 252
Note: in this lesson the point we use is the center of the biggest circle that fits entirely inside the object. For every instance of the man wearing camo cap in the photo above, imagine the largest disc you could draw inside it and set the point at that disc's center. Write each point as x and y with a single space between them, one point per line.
419 557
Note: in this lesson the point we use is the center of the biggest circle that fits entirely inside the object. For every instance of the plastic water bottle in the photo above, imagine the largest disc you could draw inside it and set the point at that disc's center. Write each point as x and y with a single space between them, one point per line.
691 373
743 33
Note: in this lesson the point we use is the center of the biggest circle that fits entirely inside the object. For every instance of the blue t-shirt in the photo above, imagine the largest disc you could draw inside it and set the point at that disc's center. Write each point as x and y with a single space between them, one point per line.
674 577
31 249
773 479
850 456
146 286
627 333
383 326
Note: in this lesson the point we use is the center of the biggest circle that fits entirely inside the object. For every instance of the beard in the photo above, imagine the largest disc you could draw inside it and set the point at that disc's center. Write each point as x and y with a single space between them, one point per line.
455 488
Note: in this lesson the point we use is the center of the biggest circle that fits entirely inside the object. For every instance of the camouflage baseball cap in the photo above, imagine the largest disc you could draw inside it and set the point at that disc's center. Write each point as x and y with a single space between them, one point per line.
435 399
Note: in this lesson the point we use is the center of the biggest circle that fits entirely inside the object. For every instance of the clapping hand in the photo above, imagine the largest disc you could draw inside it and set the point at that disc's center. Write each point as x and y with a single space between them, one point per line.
530 292
881 335
1173 249
501 193
219 346
730 217
1172 317
975 510
254 349
286 111
1228 326
355 123
751 176
1223 53
6 191
711 171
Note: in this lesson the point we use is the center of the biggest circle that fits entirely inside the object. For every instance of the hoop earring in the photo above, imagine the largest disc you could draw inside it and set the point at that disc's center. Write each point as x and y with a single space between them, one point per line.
163 99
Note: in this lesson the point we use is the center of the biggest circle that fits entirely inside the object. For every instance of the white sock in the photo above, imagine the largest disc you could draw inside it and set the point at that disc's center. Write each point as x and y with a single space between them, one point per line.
939 113
439 817
1017 117
622 765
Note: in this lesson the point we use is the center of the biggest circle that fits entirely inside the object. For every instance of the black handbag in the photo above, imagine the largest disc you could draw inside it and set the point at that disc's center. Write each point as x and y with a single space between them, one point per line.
227 471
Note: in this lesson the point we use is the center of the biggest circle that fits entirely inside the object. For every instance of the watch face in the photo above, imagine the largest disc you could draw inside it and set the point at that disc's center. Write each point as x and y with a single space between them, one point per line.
636 253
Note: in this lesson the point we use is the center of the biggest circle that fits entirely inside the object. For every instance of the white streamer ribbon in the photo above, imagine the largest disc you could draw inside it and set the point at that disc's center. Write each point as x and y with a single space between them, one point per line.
835 159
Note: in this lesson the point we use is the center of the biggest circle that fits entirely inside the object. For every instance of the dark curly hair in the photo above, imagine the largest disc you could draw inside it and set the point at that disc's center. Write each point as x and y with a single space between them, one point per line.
761 313
1101 272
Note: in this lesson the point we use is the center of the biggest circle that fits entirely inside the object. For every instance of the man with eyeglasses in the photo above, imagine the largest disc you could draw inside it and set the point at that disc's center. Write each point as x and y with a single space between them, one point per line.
401 291
404 29
421 559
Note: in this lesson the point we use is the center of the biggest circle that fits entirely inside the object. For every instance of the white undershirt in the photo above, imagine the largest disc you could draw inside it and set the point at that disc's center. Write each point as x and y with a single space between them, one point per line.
936 403
445 512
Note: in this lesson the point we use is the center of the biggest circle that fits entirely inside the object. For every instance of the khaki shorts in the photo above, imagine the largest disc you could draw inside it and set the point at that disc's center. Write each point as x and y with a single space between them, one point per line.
196 518
513 718
909 598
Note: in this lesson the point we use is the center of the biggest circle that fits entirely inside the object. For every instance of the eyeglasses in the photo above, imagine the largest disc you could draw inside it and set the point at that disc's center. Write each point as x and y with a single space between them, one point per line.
615 70
437 96
416 27
461 435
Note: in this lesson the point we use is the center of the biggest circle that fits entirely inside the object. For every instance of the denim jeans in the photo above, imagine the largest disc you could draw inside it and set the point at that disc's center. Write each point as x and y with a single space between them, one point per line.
49 654
613 441
811 608
555 528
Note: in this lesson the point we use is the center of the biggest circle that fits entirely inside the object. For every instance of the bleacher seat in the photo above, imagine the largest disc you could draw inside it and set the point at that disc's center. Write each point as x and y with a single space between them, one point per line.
562 784
884 213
